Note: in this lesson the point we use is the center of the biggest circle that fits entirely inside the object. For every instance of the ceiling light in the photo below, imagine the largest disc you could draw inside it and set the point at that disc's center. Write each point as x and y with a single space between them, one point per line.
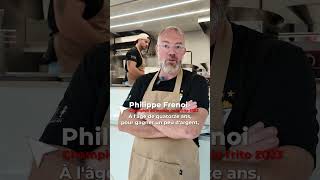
154 9
162 18
204 19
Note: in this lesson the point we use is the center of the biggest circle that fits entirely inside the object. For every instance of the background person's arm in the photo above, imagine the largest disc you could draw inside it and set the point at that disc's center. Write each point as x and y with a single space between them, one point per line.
68 15
133 71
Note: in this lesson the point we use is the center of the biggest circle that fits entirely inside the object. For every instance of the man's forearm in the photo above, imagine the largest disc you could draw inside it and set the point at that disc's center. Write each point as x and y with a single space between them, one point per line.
137 127
296 164
135 72
181 128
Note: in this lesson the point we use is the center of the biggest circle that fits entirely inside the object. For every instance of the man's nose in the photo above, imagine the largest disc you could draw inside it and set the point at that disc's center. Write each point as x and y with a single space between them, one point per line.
171 51
172 55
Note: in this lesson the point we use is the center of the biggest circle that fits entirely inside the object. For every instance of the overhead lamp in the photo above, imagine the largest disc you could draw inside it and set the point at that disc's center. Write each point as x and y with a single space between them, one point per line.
204 19
154 9
162 18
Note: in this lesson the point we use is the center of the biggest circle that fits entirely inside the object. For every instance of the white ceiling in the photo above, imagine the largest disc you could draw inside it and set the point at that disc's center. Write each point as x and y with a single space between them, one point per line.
187 23
118 2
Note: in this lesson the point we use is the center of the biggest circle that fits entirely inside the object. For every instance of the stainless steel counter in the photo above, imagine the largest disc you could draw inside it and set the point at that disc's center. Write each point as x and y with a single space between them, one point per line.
34 76
119 85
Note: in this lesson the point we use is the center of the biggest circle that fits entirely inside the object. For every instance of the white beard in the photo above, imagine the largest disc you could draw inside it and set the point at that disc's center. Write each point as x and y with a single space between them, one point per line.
170 69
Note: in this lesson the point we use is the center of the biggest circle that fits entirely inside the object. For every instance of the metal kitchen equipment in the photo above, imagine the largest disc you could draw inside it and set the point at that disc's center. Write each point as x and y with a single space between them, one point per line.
308 38
191 67
7 41
309 13
267 21
205 65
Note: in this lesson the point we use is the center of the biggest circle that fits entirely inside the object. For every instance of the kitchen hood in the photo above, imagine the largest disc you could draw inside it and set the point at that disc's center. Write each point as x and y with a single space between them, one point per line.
204 23
267 21
121 42
309 14
127 36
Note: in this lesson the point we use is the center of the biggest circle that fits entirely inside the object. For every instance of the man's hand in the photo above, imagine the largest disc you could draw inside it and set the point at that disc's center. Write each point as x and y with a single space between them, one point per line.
176 126
136 126
259 139
190 105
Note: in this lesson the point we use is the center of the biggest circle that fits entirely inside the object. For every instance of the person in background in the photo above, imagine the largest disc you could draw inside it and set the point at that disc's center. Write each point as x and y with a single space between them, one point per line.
76 26
269 89
84 105
166 151
135 62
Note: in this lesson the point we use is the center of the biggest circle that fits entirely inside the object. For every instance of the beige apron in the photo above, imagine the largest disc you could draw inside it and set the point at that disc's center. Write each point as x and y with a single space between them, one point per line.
164 158
219 68
132 79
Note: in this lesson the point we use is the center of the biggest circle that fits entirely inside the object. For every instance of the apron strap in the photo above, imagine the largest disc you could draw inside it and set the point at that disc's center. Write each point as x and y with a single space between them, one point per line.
105 125
177 84
219 68
153 81
142 59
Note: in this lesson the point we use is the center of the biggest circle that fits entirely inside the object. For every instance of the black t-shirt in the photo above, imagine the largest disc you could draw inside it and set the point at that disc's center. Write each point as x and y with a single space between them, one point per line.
85 101
133 55
270 81
193 87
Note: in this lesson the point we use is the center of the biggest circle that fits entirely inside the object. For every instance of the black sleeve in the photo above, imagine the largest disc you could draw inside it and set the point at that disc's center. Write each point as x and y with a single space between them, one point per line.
199 92
286 98
136 93
84 103
132 56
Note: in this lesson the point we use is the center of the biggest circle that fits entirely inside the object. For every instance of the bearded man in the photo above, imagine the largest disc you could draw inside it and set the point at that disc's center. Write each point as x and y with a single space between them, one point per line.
165 148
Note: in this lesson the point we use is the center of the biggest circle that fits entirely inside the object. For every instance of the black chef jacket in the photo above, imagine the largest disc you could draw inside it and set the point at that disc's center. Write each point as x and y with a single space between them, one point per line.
85 101
270 80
